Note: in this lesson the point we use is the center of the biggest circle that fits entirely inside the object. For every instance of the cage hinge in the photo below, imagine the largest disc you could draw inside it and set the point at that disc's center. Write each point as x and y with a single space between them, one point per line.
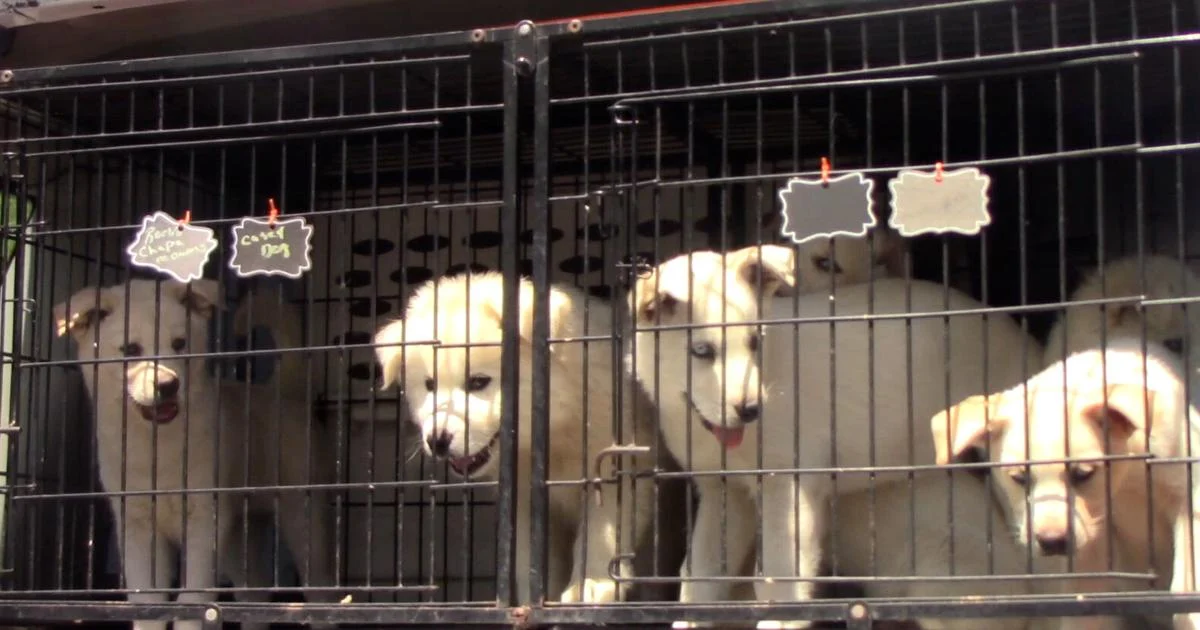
525 48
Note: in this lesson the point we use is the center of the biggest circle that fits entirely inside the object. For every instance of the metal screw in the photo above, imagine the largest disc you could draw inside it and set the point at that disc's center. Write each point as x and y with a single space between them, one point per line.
575 26
858 611
210 615
525 28
477 35
6 76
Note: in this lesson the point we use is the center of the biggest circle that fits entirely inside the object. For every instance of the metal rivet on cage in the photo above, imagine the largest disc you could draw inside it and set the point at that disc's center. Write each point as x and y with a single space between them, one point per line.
477 35
623 114
575 26
524 28
6 76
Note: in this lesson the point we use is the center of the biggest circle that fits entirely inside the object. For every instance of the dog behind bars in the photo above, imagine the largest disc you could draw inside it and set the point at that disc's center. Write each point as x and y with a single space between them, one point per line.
450 375
745 396
164 425
1087 422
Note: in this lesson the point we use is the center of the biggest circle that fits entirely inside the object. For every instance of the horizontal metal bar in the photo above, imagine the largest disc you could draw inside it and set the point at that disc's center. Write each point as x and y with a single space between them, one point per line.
340 133
192 80
242 127
282 54
161 492
863 78
892 579
284 612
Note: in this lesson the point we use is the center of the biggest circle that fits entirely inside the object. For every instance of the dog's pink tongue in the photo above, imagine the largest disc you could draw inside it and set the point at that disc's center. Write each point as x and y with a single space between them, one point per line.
461 464
729 438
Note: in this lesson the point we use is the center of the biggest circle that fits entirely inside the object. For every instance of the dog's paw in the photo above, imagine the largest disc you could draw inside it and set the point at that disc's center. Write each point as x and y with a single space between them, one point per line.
592 591
1189 621
778 625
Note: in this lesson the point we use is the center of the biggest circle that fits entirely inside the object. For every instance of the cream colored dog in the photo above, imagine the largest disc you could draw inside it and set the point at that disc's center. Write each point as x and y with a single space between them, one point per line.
156 430
1070 501
1082 327
456 398
746 397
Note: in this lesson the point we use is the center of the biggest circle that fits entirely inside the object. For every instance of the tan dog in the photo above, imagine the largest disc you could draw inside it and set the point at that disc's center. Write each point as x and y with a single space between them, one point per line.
456 398
739 398
1082 327
157 421
1070 503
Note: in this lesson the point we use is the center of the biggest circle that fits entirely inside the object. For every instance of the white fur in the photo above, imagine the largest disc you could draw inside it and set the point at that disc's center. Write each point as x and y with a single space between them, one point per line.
793 388
462 309
137 455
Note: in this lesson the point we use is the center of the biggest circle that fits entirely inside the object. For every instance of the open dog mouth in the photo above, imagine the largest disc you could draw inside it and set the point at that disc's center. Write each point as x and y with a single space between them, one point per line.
729 437
161 413
468 465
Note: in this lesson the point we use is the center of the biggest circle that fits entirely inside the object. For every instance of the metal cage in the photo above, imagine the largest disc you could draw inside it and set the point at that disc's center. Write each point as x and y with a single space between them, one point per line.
583 152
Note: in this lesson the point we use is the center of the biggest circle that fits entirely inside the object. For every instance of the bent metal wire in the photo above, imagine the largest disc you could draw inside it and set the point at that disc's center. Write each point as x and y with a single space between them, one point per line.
582 151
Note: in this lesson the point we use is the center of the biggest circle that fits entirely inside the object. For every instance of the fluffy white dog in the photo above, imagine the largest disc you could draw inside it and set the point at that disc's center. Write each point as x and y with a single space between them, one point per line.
450 373
164 425
739 393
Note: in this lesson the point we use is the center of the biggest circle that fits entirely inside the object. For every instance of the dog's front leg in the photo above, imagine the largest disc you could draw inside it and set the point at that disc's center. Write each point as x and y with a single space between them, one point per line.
595 547
199 565
719 503
1187 542
146 566
310 547
793 519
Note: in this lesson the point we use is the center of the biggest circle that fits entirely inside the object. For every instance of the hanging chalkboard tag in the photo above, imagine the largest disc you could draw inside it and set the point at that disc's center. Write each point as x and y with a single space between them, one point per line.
272 247
828 206
176 248
940 202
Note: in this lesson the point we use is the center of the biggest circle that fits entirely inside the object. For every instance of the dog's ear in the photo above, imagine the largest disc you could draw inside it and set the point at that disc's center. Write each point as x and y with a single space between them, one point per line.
1125 410
391 357
774 266
648 300
202 297
889 250
964 426
86 308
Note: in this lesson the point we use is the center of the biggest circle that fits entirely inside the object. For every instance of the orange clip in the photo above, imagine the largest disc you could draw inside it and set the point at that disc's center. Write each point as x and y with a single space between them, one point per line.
937 172
825 168
187 217
272 212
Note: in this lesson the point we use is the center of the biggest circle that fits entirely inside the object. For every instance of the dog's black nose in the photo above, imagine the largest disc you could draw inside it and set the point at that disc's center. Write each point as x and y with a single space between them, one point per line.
168 389
1053 544
439 443
747 412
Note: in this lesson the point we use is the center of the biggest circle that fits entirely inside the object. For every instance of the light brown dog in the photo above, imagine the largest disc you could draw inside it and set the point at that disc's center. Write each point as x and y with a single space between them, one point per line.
1083 426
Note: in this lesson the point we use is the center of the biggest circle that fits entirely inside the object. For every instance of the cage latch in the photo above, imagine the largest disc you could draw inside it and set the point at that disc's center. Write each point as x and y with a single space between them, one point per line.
613 451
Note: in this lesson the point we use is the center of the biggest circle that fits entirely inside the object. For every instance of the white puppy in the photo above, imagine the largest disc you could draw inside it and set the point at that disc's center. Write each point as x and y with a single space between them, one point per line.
157 424
456 398
1070 501
773 388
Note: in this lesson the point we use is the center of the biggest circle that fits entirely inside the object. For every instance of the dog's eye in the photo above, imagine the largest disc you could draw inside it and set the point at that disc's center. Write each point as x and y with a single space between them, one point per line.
1019 477
429 384
1080 474
826 264
478 382
178 344
704 350
1174 345
132 349
752 343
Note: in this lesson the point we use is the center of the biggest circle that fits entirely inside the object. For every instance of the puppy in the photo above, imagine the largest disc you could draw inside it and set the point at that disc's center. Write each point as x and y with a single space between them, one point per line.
1119 514
455 395
823 264
746 397
164 425
1174 326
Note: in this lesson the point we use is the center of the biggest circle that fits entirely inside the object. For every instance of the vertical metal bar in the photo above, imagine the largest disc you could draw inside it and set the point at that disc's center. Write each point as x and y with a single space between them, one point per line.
510 351
539 220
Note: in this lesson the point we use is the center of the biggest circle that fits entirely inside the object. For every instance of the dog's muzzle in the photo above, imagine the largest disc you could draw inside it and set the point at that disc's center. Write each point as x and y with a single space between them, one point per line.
730 437
163 407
